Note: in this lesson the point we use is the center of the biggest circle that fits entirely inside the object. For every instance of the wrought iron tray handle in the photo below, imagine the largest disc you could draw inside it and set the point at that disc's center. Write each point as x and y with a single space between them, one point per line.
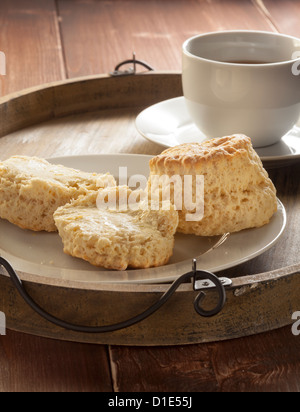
132 70
195 275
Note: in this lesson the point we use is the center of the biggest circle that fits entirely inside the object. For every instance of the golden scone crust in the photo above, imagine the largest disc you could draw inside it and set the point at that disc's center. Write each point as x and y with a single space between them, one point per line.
116 238
31 189
238 192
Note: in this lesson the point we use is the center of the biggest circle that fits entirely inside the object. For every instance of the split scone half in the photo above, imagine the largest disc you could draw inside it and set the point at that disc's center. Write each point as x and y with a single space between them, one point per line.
31 189
116 237
237 192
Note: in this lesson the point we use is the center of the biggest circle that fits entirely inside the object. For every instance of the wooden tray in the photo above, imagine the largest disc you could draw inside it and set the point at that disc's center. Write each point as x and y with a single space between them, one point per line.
96 115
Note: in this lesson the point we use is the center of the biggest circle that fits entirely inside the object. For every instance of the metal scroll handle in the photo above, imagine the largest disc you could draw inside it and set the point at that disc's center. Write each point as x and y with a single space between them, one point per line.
195 274
131 70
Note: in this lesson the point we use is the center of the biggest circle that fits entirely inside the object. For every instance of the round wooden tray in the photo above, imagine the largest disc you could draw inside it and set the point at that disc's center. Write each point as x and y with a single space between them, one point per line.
96 115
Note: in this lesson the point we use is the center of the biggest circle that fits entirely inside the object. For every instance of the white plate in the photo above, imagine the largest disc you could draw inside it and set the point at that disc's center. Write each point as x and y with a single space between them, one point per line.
168 124
42 253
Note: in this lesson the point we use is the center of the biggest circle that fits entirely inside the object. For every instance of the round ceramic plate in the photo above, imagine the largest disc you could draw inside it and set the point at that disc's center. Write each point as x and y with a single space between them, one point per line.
169 124
42 253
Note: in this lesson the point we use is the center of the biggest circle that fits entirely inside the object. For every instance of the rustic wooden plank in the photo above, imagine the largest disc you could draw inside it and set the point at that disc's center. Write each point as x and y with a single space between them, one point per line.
30 39
263 363
34 364
169 369
285 15
98 34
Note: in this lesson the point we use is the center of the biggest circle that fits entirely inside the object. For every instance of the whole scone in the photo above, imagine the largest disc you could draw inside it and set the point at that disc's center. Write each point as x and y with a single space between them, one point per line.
237 191
31 189
117 237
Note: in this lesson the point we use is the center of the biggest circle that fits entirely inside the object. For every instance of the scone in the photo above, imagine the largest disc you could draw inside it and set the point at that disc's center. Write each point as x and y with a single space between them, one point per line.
237 193
117 237
31 189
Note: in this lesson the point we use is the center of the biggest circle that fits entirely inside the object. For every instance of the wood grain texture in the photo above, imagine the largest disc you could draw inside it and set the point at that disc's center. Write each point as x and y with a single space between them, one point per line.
33 364
97 113
155 30
284 15
263 363
30 39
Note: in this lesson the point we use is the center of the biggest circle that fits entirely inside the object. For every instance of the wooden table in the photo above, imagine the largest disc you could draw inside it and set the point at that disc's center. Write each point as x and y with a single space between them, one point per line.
48 40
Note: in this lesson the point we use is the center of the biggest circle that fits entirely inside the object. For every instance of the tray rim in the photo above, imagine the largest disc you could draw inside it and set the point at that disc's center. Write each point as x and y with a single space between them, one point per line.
48 90
237 282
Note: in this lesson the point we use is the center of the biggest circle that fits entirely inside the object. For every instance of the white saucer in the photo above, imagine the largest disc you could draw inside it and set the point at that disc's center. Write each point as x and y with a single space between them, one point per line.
41 253
168 124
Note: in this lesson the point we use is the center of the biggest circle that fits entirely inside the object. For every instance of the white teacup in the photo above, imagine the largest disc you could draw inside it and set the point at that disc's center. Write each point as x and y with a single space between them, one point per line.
243 82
